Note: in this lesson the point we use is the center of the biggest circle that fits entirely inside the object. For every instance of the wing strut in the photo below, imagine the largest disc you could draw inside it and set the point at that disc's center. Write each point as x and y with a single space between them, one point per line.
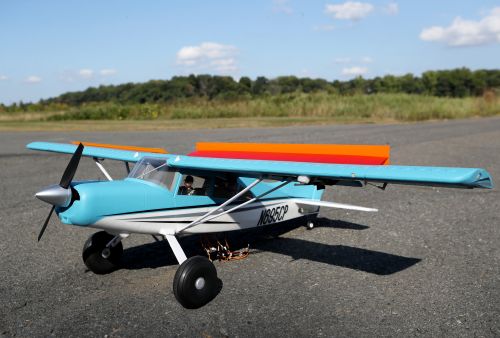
103 170
202 218
205 217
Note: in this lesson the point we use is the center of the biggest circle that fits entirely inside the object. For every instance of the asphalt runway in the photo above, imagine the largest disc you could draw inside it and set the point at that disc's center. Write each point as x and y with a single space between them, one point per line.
427 264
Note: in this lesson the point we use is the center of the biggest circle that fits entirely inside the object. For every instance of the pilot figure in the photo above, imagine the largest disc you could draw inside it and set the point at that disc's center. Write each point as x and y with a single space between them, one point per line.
187 188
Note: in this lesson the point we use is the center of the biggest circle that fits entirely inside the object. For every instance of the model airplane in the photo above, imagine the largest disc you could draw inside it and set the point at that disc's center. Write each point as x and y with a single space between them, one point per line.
219 187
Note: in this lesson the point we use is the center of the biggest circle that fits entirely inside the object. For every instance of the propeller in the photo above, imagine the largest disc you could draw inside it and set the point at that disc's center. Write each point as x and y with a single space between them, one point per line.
55 194
46 223
70 171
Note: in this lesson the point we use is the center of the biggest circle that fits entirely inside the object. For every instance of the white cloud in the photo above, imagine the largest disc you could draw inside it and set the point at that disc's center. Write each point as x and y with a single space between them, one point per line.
324 28
71 75
210 50
354 71
86 73
3 77
282 6
345 60
33 79
466 32
224 65
392 8
107 72
342 60
209 56
349 10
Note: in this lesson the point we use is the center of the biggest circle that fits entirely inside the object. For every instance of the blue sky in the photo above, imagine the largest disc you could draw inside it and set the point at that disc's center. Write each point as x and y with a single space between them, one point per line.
50 47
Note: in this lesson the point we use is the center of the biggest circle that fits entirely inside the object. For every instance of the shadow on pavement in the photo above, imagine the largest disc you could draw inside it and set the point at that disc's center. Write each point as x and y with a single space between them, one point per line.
376 262
158 254
322 222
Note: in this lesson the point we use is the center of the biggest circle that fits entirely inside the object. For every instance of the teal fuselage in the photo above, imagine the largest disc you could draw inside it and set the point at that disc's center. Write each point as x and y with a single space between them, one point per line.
99 199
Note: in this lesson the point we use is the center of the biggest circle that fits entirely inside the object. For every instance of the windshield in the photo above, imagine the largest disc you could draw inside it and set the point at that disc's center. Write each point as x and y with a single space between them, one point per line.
153 170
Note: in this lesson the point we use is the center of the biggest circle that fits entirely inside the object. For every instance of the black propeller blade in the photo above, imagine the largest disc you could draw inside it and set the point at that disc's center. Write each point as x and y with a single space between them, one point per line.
70 171
46 222
66 179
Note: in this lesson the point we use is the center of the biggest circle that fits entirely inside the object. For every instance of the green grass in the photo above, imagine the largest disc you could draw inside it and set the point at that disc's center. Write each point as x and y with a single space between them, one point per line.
131 125
286 109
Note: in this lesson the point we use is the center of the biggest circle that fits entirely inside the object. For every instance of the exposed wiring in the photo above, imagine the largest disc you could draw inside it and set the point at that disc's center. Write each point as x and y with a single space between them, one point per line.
222 252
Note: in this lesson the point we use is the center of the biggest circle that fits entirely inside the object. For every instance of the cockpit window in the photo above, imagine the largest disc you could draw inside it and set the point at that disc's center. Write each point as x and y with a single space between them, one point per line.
153 170
194 185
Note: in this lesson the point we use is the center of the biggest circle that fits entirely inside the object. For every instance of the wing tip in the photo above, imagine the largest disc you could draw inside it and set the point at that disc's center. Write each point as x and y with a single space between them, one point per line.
483 179
31 145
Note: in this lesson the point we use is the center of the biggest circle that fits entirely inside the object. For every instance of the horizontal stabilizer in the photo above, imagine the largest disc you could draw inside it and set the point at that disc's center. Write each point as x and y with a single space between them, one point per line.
334 205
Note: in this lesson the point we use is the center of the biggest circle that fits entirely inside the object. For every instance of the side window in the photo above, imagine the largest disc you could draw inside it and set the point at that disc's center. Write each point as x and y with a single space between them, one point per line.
194 186
225 187
228 186
154 170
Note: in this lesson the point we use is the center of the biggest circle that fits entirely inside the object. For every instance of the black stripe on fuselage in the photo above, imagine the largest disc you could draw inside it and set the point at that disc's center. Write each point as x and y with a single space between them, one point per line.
193 214
194 207
187 222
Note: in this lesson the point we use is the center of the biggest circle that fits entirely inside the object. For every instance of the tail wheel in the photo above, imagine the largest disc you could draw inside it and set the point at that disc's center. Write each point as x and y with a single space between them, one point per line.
195 282
97 257
310 225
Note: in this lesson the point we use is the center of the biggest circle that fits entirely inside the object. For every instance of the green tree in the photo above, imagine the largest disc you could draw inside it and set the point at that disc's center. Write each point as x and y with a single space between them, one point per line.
260 86
245 84
287 84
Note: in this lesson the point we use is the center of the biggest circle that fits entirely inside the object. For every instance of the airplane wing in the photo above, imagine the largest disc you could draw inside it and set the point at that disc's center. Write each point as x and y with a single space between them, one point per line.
320 173
334 173
101 151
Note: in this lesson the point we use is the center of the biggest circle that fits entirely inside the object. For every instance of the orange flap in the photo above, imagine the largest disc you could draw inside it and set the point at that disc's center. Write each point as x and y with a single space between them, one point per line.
120 147
378 151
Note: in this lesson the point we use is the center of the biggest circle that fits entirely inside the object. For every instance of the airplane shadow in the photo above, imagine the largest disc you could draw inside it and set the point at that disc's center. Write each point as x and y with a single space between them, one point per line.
158 254
370 261
323 222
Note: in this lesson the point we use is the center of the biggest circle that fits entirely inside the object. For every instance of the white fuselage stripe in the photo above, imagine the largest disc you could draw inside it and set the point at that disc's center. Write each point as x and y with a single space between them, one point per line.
168 221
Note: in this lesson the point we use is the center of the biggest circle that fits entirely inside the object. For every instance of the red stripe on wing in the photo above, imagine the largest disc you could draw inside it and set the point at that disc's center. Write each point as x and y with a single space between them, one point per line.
315 158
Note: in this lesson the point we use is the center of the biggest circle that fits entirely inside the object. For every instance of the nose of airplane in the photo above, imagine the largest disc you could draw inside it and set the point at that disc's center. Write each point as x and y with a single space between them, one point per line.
55 195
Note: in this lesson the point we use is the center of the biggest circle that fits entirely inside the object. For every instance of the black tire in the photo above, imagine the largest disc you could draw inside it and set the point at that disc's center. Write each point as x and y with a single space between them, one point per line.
185 290
92 253
309 225
311 221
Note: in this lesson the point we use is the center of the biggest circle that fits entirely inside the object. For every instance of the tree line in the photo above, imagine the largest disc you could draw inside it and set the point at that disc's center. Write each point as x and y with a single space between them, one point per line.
460 82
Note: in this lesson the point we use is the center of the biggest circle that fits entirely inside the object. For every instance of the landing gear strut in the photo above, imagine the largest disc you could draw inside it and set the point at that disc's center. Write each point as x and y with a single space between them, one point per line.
99 258
195 282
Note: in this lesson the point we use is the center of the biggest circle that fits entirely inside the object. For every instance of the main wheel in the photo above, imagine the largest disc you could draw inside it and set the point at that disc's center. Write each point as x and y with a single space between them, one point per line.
195 282
97 257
